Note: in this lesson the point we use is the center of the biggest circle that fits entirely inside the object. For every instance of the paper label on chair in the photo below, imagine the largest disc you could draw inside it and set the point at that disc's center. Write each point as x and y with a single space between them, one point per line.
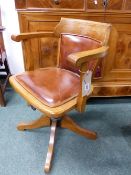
86 83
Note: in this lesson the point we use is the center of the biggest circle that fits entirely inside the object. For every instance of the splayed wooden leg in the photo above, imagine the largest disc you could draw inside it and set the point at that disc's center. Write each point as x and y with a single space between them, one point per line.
2 100
50 147
68 123
43 121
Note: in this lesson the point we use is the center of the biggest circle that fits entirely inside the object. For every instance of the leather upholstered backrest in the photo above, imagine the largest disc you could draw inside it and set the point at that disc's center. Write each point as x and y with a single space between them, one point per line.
79 35
74 43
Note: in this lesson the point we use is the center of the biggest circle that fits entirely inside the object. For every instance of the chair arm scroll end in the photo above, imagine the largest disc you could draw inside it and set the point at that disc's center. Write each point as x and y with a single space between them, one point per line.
15 38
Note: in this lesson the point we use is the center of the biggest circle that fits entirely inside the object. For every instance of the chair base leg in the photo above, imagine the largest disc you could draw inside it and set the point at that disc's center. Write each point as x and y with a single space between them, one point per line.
49 157
64 122
68 123
43 121
2 100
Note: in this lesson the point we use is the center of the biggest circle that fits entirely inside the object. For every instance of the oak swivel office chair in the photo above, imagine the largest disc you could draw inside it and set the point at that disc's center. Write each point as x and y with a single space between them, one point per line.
57 90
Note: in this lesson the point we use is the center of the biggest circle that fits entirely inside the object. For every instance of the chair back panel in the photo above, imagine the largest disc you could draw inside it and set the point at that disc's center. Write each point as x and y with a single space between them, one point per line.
97 30
74 43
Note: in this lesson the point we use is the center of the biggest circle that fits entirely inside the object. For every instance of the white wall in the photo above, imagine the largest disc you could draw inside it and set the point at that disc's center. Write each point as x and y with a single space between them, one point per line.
13 49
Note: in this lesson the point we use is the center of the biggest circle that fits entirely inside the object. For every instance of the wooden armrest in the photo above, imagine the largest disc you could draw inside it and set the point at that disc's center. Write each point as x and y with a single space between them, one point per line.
81 57
25 36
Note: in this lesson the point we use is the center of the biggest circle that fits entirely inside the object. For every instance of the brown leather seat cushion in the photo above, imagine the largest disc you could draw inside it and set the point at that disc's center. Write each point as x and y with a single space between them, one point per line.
52 86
